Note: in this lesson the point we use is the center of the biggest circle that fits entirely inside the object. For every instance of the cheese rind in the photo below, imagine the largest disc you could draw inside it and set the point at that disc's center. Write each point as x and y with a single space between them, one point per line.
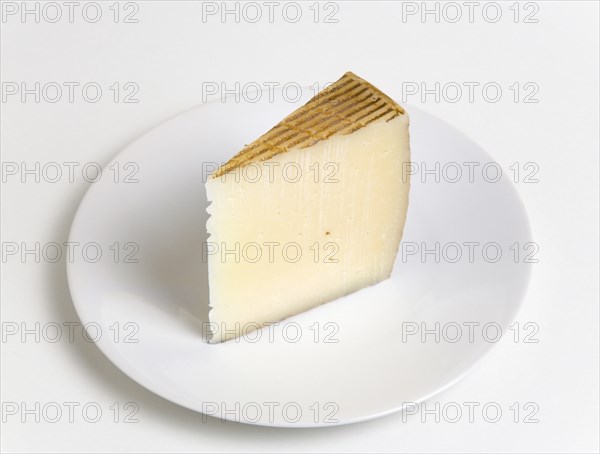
305 226
347 105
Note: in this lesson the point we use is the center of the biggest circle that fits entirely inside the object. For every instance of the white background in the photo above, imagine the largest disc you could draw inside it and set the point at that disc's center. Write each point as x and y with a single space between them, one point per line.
168 53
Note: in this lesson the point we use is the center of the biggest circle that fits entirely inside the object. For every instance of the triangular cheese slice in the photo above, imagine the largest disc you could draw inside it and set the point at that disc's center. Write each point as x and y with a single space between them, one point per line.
312 210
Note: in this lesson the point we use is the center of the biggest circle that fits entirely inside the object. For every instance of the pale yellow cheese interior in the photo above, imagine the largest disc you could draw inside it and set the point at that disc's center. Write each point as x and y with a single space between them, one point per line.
345 214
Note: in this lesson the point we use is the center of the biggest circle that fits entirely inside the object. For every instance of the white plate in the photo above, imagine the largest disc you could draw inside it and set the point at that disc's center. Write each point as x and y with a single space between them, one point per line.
376 367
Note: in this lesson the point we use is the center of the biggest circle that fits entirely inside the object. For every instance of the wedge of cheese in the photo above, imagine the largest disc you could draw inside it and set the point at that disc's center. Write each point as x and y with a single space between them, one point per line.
312 210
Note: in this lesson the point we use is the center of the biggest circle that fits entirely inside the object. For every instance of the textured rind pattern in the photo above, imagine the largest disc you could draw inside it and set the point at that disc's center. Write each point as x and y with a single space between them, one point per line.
347 105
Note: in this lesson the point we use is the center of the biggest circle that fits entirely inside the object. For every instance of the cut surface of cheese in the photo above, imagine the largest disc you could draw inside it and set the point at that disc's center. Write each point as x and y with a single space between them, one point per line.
311 211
